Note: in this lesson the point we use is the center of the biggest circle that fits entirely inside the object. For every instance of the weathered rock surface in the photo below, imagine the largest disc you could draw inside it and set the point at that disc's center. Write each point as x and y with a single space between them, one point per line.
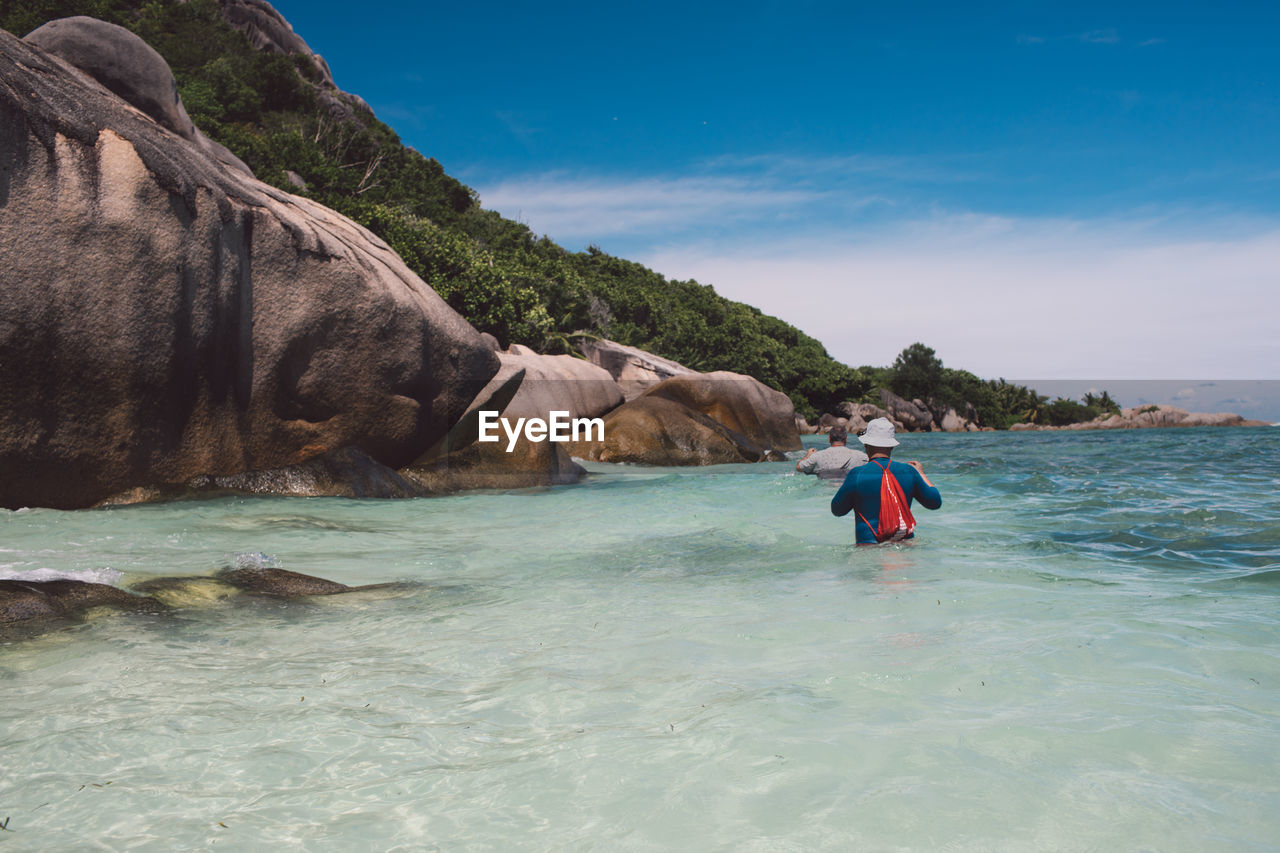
120 61
280 582
745 405
857 415
951 421
347 473
633 369
656 430
129 67
20 601
164 317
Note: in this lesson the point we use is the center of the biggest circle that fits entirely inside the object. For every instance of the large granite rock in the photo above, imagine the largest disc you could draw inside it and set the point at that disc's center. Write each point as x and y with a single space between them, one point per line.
635 370
163 316
551 383
698 419
745 405
656 430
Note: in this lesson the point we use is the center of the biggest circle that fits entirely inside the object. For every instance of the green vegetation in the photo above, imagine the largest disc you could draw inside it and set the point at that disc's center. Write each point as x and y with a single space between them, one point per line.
917 372
272 112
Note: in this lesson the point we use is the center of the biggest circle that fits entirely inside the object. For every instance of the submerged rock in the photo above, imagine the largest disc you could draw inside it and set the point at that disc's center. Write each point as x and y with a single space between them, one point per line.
22 600
280 582
182 592
165 317
28 608
231 584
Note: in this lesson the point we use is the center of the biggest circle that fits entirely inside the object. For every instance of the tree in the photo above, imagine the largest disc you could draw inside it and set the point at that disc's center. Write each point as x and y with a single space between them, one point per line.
916 372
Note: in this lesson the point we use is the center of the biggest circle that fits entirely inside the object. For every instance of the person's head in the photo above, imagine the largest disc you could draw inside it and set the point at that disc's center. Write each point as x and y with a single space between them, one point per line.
878 436
838 435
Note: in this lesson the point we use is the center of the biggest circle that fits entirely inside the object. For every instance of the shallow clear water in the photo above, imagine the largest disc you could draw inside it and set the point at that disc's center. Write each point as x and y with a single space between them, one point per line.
1080 651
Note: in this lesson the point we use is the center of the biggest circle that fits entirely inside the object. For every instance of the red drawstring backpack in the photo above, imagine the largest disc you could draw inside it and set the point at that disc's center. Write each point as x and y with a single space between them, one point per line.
896 520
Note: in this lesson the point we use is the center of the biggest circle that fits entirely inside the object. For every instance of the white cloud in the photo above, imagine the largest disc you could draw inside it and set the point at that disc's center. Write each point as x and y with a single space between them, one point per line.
1107 36
1010 297
1176 294
569 208
719 193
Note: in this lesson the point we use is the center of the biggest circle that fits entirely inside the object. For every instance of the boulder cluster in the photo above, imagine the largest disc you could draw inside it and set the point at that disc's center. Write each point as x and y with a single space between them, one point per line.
907 416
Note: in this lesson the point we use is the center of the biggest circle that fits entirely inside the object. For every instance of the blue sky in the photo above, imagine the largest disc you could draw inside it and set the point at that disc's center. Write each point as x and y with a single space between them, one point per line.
1038 190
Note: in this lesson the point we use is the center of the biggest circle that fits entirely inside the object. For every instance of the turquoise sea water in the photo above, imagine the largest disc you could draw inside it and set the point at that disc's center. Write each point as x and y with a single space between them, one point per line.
1081 651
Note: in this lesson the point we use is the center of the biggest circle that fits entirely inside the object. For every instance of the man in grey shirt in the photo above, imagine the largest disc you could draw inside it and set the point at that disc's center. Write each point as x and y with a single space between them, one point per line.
835 461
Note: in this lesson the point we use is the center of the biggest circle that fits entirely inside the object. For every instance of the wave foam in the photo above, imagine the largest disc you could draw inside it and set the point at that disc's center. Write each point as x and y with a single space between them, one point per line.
255 560
105 575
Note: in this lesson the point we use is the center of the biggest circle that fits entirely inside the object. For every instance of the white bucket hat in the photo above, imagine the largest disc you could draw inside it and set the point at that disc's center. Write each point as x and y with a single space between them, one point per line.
879 433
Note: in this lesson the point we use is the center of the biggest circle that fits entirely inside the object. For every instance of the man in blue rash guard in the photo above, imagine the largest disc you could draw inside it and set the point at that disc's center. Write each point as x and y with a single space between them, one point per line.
861 489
